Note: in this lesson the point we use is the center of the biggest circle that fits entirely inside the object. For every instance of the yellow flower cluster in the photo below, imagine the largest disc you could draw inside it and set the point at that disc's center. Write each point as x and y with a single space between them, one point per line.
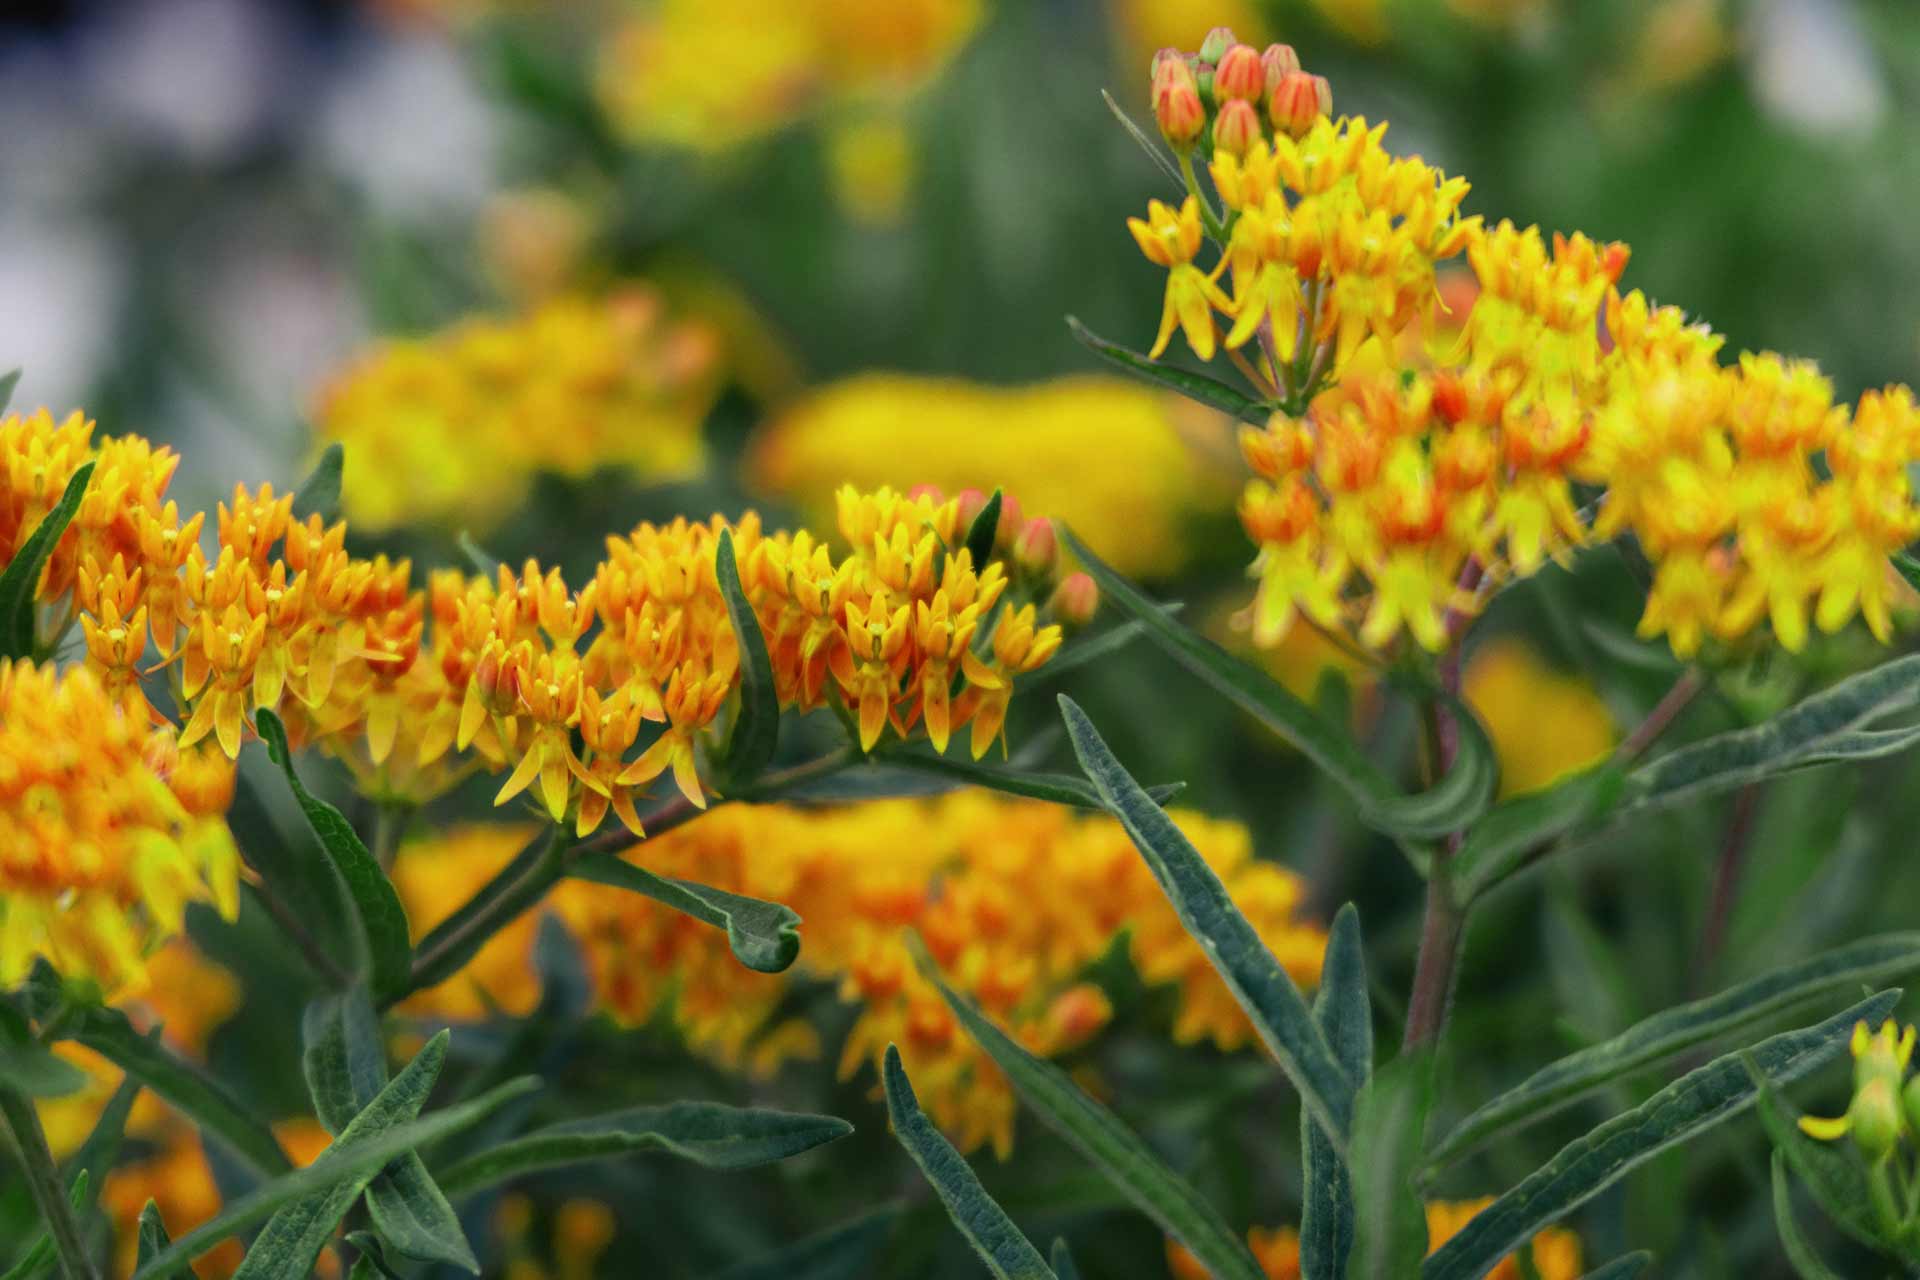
1109 458
453 427
711 74
1554 1253
107 830
1399 482
957 870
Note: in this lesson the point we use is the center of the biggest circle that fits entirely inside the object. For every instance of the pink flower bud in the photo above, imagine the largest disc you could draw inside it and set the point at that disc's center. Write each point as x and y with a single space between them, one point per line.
1240 76
1177 108
1298 101
1277 61
1237 127
1075 600
1035 549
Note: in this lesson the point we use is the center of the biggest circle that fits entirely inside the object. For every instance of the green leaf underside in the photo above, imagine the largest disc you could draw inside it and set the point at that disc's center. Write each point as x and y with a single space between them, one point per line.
1587 1165
1864 963
845 1252
336 1165
1194 386
346 1068
375 900
1800 1253
319 493
1107 1143
1008 1254
755 735
1451 805
20 580
764 936
1273 1003
707 1133
1389 1122
1344 1011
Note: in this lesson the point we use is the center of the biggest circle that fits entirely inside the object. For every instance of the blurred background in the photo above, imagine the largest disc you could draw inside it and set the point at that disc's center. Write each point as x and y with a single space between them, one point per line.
836 240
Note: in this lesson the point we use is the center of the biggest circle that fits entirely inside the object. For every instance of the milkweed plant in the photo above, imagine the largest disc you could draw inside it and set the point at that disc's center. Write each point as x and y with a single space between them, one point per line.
737 760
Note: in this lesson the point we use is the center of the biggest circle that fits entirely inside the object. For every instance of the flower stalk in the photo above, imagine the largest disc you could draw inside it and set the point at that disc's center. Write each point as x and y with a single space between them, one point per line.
29 1143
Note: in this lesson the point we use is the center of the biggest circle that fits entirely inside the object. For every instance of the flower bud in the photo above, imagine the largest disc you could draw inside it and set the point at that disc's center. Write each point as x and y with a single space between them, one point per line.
1240 76
1237 127
1075 600
1874 1119
1276 62
1299 100
1286 446
1035 549
1177 108
971 503
1215 46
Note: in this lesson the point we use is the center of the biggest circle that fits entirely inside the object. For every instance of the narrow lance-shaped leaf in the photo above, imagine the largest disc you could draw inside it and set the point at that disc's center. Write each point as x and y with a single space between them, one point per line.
845 1252
1625 1267
707 1133
1114 1149
101 1150
1389 1122
1500 842
26 1065
1008 1254
20 580
346 1068
1062 1260
1806 1262
319 493
1153 149
764 936
1451 805
1194 386
756 731
1273 1003
40 1254
1687 1107
153 1238
983 532
1673 1031
1345 1014
374 897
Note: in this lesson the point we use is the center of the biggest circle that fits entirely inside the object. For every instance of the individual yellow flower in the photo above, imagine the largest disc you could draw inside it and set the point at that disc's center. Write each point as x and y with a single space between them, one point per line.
1171 240
1875 1117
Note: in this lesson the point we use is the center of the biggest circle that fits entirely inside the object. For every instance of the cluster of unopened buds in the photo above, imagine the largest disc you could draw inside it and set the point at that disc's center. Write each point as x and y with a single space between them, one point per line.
1432 439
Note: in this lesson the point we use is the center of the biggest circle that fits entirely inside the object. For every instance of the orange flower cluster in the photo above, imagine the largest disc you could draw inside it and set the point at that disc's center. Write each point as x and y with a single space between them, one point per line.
107 831
957 870
1403 478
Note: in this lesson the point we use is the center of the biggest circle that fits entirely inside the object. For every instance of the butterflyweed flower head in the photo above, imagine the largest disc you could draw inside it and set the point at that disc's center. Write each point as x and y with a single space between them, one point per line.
102 855
1877 1118
453 426
1552 1254
954 870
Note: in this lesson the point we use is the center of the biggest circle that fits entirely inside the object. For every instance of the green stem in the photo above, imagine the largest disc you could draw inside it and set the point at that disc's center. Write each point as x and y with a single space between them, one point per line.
22 1125
1216 230
389 825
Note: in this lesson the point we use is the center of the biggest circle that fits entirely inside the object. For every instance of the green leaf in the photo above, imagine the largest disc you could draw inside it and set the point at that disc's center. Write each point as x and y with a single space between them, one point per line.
346 1068
1832 1172
1345 1014
1107 1143
294 1236
764 936
1451 805
8 381
1147 144
707 1133
1501 840
845 1252
1625 1267
153 1238
26 1065
1675 1030
374 897
1008 1254
40 1254
1687 1107
1831 726
1055 788
1194 386
756 729
1909 567
984 532
205 1100
1801 1254
1389 1122
96 1156
1273 1003
319 493
21 577
1061 1259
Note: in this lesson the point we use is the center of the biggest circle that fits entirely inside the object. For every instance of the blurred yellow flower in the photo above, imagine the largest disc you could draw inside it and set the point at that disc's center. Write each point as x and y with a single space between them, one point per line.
1106 457
1544 724
1553 1255
436 875
872 165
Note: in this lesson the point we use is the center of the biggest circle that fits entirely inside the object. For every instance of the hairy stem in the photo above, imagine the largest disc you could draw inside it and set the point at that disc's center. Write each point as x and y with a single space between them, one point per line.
22 1125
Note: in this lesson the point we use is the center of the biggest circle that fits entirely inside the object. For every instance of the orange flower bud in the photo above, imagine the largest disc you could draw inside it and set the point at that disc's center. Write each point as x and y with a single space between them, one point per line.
1299 100
1240 76
1176 104
1277 61
1035 548
1075 600
1237 127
